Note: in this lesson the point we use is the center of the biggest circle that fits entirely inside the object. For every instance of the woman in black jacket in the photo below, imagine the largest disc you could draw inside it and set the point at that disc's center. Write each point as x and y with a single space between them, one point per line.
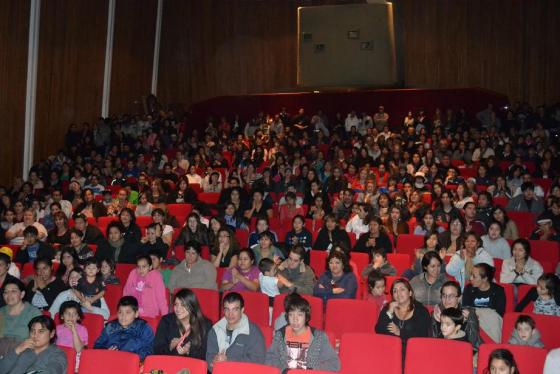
183 332
376 238
331 234
116 248
131 233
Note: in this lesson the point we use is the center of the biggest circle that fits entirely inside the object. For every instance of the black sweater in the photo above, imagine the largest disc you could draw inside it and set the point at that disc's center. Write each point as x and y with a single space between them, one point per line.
418 326
493 298
323 241
168 330
382 242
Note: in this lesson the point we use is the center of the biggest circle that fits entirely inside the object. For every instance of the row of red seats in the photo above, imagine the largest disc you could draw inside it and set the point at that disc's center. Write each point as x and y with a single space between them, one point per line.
359 354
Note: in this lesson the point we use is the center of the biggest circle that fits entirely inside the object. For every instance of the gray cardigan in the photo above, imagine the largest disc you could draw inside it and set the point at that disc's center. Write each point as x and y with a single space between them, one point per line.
51 361
320 354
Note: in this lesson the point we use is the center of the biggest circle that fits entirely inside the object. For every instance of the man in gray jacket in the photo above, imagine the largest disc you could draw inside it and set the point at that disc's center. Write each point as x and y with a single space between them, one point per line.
300 277
234 337
527 201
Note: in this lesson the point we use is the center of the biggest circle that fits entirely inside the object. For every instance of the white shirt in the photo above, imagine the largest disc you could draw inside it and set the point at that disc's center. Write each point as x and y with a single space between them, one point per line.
357 226
18 240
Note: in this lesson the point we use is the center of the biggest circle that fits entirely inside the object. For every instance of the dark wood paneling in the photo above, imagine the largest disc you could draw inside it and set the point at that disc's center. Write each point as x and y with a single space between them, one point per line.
14 29
133 50
70 68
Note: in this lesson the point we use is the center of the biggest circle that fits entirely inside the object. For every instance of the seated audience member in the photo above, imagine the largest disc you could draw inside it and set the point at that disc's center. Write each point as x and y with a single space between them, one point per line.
266 249
184 331
128 332
451 325
300 277
258 206
92 234
299 346
546 296
107 271
526 333
521 268
545 231
527 201
225 251
376 294
494 243
116 248
120 203
153 242
16 314
472 223
193 271
427 285
44 287
70 332
91 207
431 244
146 286
37 353
451 240
193 230
5 276
462 262
261 226
357 224
157 265
552 362
330 234
450 299
90 285
68 261
159 216
269 280
144 207
31 249
379 263
375 238
244 276
403 316
290 210
509 227
234 337
73 294
338 281
60 233
427 225
501 361
299 235
15 234
83 251
131 233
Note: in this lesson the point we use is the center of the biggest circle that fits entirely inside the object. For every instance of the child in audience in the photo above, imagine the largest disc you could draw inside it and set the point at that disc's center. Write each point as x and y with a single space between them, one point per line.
157 260
144 207
71 333
268 279
525 333
146 285
376 289
153 242
108 272
91 285
379 262
546 302
451 324
128 333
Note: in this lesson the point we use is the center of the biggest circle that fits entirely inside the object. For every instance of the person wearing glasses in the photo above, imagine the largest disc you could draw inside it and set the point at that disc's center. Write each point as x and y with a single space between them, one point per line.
451 298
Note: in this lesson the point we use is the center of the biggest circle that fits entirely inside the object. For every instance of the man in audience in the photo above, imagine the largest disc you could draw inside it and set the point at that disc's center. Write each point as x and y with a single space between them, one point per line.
92 234
299 276
527 201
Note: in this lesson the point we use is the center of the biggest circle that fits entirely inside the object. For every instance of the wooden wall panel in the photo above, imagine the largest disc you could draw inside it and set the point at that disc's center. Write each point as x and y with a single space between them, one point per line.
70 68
14 29
133 50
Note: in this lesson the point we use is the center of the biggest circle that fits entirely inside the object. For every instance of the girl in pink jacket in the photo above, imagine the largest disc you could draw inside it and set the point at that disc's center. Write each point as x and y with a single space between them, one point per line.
146 285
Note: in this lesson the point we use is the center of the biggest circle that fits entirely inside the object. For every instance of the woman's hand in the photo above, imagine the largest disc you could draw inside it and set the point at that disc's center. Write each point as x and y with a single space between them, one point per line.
173 344
394 329
184 350
392 306
437 313
520 266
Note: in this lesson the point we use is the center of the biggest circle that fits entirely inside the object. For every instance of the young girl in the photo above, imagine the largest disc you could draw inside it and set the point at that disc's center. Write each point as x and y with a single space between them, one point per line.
501 361
144 207
91 286
71 333
108 272
376 289
147 286
545 296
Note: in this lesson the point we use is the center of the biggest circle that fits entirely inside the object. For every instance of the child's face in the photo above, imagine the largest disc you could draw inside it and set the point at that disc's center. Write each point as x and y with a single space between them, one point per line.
379 288
70 315
524 331
542 291
143 267
91 270
152 235
105 268
448 327
126 316
155 262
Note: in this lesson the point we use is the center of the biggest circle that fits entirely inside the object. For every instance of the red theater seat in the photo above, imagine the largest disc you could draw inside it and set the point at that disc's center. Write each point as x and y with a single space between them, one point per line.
408 243
547 325
95 361
70 359
179 209
360 316
400 261
528 359
174 364
452 356
243 368
357 350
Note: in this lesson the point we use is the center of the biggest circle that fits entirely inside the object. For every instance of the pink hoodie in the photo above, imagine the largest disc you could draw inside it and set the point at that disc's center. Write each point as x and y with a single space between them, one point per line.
149 291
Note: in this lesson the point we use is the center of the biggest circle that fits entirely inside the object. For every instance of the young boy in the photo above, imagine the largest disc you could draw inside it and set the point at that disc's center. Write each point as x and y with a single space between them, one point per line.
128 333
157 260
153 242
379 262
525 333
376 283
91 285
451 323
268 280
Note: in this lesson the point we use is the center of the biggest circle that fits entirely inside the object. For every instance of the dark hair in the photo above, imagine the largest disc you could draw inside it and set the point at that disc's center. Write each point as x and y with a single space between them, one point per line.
265 264
378 251
75 260
5 258
30 230
77 232
527 186
453 284
525 244
132 215
487 194
128 301
69 305
91 261
144 257
523 318
374 277
427 258
342 257
15 281
115 224
152 225
234 297
486 271
298 250
267 234
455 314
45 321
249 253
80 216
408 287
504 355
109 262
551 282
193 244
298 304
476 236
45 260
196 318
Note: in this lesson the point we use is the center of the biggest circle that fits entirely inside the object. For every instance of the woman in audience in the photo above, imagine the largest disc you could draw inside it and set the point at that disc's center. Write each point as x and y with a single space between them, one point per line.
338 281
214 226
116 248
445 212
82 249
494 243
462 196
15 315
509 228
146 285
183 332
193 230
38 353
131 231
258 207
266 249
44 287
450 294
233 217
501 361
298 235
427 225
452 239
159 216
395 225
224 252
462 262
427 284
376 238
183 194
403 316
521 268
60 234
318 209
68 261
244 276
330 234
261 226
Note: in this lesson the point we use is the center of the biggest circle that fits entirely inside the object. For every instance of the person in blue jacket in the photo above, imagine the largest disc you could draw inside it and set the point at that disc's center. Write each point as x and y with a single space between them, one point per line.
128 333
338 281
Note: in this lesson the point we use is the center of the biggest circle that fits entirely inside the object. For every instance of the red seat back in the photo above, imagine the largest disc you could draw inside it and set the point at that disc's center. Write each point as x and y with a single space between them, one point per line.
364 316
94 361
113 293
384 350
209 197
318 261
173 364
522 290
70 359
525 222
545 251
227 367
209 301
179 209
407 243
361 260
123 270
153 322
94 323
315 303
548 326
401 261
452 356
528 359
242 237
